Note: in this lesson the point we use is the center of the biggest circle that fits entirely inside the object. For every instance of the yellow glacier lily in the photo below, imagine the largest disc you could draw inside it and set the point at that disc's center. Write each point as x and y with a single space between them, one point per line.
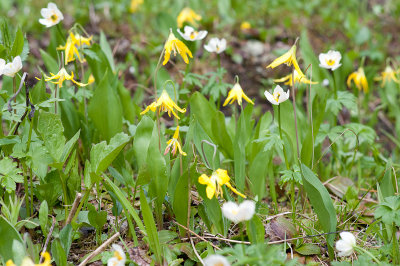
236 93
71 47
215 182
388 75
359 80
297 78
165 104
174 143
61 76
187 15
175 45
135 4
288 58
28 262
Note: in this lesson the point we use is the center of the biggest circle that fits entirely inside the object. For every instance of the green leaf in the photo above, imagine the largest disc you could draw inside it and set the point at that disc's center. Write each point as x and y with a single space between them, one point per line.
66 237
389 211
105 109
387 184
203 111
43 217
18 44
69 146
151 229
258 172
128 106
58 253
308 249
13 246
50 63
220 134
97 218
256 230
102 155
105 47
51 130
320 201
9 174
38 93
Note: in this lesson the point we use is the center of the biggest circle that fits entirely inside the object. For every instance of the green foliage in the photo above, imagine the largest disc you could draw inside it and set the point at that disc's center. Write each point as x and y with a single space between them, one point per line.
9 174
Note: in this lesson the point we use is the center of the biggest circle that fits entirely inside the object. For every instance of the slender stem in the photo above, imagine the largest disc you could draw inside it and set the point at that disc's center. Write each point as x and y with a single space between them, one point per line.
26 188
360 249
334 85
55 98
295 117
14 91
280 134
31 191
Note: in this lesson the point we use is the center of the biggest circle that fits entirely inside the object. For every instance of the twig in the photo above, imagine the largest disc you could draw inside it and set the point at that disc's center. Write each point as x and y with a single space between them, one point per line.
202 238
47 239
279 214
195 251
18 91
74 208
99 249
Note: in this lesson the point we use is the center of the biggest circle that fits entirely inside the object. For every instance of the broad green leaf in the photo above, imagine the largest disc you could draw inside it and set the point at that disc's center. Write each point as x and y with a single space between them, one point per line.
142 139
308 249
70 116
203 111
66 235
239 148
105 109
128 106
97 218
256 230
151 229
258 173
69 146
9 236
321 202
50 63
38 93
51 130
98 63
58 253
102 155
387 184
9 174
220 134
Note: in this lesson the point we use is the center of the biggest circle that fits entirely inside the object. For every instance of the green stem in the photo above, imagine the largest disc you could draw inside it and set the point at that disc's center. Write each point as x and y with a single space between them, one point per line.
396 249
280 134
26 188
65 193
334 85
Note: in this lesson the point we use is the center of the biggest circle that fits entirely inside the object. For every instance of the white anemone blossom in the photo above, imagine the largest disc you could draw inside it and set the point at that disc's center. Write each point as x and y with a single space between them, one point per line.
190 34
13 67
346 244
330 60
279 96
216 260
2 65
216 45
119 257
51 15
239 213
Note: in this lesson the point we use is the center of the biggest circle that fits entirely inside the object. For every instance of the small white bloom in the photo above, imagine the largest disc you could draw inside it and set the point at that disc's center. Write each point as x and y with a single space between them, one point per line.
216 45
119 257
190 34
325 82
330 60
216 260
2 65
346 244
51 15
239 213
13 67
279 96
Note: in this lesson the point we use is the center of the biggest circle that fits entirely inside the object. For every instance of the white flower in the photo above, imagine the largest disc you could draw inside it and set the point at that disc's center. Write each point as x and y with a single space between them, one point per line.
51 15
330 60
216 45
216 260
325 82
346 245
119 257
239 213
13 67
2 65
279 96
190 34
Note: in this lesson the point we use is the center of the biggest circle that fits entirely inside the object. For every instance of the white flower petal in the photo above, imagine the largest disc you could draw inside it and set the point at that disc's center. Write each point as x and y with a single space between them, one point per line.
216 260
202 34
270 98
246 210
231 211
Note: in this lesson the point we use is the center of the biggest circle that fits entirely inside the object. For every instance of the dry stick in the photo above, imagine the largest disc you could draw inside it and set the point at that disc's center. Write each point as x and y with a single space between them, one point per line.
100 249
202 238
195 251
74 208
47 239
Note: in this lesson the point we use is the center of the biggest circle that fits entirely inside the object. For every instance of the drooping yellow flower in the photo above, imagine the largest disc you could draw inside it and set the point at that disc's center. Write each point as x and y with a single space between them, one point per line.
236 93
297 78
174 143
165 104
359 80
173 44
91 79
245 25
28 262
215 182
61 76
187 15
288 58
388 75
71 47
135 5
